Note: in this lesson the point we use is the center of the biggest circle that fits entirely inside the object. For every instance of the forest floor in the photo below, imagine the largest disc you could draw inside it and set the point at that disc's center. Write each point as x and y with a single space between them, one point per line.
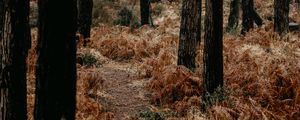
128 73
121 91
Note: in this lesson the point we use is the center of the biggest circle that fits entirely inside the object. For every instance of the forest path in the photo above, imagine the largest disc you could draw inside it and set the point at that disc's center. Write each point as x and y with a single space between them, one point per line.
127 95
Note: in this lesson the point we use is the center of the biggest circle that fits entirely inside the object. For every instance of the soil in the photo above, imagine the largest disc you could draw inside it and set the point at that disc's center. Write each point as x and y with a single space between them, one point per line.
123 91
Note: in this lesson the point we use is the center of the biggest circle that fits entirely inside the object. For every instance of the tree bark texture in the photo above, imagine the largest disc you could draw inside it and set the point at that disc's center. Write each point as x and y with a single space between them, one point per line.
56 67
145 12
281 16
233 19
85 9
14 45
190 33
247 7
213 47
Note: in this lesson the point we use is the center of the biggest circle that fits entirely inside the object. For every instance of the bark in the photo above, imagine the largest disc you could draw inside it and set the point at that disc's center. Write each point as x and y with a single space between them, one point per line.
56 67
145 12
85 9
190 33
213 48
281 16
233 19
14 45
247 7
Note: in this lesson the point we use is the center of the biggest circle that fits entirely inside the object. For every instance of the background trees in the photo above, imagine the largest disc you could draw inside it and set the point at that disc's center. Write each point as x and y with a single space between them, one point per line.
213 48
56 67
145 12
249 16
247 21
281 16
233 19
190 33
14 45
85 9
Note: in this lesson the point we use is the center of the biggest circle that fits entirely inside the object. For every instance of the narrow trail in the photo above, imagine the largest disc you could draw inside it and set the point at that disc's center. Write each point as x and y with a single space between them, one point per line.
125 89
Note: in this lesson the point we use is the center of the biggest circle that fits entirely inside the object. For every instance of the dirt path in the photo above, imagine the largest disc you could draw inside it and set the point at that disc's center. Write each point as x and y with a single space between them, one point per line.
125 90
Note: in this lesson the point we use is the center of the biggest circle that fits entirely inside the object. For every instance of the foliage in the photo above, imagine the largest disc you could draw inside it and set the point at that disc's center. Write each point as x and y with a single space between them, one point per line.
89 60
124 17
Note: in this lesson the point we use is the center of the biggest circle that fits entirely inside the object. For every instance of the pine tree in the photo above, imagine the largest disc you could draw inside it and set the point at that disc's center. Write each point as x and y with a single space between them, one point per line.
190 33
281 16
213 48
85 9
233 19
14 45
56 64
145 12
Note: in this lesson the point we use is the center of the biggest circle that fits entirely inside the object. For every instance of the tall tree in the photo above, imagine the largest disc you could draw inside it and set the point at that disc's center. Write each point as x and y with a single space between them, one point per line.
56 67
190 33
145 12
14 45
281 16
213 48
85 9
233 19
247 6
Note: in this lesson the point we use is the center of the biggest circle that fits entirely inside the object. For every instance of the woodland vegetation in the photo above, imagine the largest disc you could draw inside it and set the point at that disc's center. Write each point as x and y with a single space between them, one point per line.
149 59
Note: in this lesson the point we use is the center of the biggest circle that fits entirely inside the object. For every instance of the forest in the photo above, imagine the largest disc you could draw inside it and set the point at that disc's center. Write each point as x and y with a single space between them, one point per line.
149 59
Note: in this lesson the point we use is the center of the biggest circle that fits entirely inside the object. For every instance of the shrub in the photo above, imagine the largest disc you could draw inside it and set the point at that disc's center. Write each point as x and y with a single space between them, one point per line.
124 17
127 18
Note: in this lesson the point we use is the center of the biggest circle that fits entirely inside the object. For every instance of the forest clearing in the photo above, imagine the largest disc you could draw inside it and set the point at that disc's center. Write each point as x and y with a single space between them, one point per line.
131 72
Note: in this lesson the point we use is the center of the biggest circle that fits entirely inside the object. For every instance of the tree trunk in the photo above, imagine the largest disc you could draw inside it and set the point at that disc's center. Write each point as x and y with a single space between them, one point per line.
56 67
14 45
233 19
145 12
257 19
85 9
247 7
190 33
213 48
281 16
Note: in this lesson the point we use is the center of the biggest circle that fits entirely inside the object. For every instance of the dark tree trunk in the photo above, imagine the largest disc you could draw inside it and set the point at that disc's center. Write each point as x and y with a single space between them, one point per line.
247 7
14 45
56 67
257 19
145 12
190 33
213 48
281 16
233 19
85 9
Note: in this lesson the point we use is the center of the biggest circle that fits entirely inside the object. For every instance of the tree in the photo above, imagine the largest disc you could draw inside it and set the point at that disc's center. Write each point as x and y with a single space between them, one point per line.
249 16
56 66
190 33
85 9
213 48
281 16
145 12
233 19
247 22
14 45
